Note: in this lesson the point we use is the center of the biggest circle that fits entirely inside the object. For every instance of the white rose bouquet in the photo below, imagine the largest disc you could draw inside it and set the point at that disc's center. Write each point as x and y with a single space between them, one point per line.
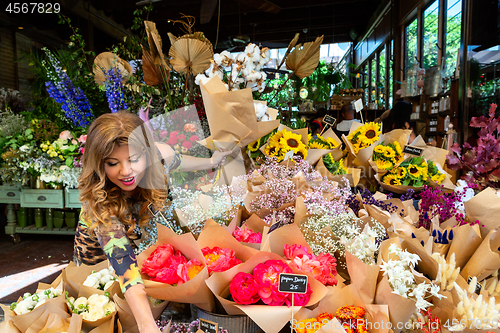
100 280
93 308
31 302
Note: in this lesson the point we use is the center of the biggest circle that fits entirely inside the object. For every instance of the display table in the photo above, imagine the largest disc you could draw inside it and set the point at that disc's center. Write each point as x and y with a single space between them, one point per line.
35 198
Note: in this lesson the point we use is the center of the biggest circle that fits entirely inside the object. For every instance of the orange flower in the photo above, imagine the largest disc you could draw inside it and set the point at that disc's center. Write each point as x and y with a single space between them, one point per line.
307 326
324 318
190 128
350 312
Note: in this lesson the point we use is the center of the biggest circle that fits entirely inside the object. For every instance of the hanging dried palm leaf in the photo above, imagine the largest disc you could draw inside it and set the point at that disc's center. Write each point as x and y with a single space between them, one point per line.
155 44
151 71
190 56
104 61
293 42
304 59
172 38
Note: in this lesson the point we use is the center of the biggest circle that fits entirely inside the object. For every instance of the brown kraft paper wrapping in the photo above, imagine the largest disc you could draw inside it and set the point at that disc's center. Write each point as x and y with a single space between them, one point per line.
466 239
194 291
427 265
74 277
314 155
400 308
127 319
270 318
353 174
54 324
363 277
486 259
484 207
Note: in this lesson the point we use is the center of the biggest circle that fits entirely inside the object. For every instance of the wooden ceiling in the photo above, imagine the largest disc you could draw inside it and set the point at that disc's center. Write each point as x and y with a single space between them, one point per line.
272 23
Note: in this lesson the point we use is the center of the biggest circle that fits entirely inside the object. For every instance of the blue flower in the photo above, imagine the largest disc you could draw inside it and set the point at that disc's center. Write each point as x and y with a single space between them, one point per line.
114 90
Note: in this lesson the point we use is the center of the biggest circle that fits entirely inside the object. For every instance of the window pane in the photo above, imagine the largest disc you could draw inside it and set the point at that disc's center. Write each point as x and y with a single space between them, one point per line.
453 32
411 44
382 90
373 83
431 25
366 86
391 75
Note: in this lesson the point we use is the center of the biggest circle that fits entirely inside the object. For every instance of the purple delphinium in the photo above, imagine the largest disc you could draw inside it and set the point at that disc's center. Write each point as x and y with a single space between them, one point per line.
73 101
368 199
114 90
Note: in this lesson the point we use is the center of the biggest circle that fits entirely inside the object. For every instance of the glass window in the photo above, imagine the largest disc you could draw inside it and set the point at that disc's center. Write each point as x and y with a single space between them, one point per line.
411 44
373 83
391 76
366 86
382 88
431 27
453 32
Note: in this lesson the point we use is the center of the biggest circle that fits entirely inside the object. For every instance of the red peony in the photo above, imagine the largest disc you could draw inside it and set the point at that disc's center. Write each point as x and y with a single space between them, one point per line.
246 235
168 274
267 277
219 259
157 260
187 144
294 251
189 270
244 289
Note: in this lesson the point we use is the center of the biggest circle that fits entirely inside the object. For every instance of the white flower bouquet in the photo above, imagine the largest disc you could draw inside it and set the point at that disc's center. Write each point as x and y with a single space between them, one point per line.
101 280
93 308
31 302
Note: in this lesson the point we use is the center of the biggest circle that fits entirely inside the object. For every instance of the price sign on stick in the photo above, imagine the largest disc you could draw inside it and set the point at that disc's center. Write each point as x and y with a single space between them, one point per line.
358 105
412 150
207 326
329 121
292 283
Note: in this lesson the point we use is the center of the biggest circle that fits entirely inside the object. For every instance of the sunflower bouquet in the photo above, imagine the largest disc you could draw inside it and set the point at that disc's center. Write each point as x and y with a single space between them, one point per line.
320 142
387 156
414 172
335 167
363 136
284 141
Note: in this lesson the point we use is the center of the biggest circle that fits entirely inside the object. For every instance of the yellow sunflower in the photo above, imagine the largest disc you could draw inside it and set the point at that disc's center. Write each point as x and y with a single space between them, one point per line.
333 143
254 146
329 158
342 168
389 152
438 178
399 150
274 140
424 172
271 150
309 137
369 133
317 145
379 149
383 164
290 140
391 179
401 172
414 171
301 151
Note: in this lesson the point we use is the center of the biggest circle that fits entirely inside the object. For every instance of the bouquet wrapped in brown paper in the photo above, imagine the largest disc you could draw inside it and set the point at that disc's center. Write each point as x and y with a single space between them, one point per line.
376 316
231 116
466 240
55 323
127 319
194 290
270 319
328 143
47 299
485 207
351 174
284 141
389 153
95 307
75 277
363 277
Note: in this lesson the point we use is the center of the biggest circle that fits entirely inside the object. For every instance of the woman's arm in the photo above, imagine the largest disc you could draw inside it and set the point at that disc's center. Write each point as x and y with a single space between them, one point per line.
118 250
190 163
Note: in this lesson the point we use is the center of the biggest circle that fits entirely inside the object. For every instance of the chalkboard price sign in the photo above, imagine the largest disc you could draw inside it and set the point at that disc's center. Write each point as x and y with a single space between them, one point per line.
292 283
412 150
207 326
327 119
478 285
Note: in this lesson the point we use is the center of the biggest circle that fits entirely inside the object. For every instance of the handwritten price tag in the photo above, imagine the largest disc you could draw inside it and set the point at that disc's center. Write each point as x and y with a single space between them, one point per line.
412 150
292 283
207 326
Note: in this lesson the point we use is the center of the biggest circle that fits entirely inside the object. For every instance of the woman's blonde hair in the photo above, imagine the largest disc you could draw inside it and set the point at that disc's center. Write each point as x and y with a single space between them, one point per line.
101 199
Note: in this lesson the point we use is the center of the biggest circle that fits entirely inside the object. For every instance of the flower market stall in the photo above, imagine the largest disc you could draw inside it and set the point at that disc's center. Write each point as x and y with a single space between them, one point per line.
370 223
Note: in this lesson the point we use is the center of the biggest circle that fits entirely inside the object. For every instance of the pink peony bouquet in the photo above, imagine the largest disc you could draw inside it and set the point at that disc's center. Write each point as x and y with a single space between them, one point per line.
219 259
170 266
322 266
246 235
263 284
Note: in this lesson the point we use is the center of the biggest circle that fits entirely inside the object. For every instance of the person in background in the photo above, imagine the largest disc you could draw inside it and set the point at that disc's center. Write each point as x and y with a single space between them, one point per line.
317 124
347 113
399 117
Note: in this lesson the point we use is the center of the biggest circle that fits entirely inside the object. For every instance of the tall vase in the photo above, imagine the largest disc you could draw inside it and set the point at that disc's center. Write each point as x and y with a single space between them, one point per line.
49 217
37 183
38 212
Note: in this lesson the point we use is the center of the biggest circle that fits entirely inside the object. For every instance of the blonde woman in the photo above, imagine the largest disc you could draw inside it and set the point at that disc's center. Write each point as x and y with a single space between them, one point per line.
123 179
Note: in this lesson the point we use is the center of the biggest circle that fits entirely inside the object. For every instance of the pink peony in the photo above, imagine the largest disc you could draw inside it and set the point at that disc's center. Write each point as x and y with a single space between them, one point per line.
65 135
219 259
246 235
267 277
169 273
294 251
194 138
157 260
163 134
328 269
187 145
244 289
299 299
82 139
181 137
189 270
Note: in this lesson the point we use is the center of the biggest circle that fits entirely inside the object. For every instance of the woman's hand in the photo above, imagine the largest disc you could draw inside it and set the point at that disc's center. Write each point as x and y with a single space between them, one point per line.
219 157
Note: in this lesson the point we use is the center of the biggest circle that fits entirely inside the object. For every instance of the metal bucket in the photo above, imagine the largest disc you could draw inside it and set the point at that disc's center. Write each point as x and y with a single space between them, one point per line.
232 324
